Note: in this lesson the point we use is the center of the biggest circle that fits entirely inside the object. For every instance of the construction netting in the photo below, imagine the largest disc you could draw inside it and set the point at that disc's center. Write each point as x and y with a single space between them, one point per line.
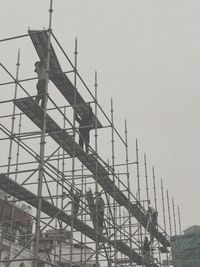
186 250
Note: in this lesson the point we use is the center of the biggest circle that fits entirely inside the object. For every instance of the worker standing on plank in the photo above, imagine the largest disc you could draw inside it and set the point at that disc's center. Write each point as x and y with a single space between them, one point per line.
77 197
153 217
40 69
146 246
100 206
85 127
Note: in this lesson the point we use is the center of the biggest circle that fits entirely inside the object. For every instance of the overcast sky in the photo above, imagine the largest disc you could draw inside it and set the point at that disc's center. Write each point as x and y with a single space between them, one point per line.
147 54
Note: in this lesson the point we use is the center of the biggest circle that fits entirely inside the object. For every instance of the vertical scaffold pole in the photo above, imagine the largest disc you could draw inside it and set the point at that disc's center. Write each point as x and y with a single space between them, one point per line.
113 172
73 157
42 145
138 170
129 189
164 215
179 220
18 148
155 199
13 113
138 192
11 144
57 203
154 188
96 173
96 106
120 213
146 178
169 214
174 216
83 218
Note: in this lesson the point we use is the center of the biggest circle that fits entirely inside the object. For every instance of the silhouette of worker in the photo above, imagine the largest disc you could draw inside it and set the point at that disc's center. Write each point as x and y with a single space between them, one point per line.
75 201
85 127
100 206
153 216
40 69
77 197
146 246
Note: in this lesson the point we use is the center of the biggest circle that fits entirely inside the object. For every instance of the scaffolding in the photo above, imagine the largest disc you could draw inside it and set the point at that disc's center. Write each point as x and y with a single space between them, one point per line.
46 167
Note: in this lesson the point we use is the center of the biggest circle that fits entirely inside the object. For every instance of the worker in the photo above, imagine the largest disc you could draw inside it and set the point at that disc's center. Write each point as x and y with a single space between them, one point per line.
75 200
146 246
77 197
40 69
153 217
85 127
100 206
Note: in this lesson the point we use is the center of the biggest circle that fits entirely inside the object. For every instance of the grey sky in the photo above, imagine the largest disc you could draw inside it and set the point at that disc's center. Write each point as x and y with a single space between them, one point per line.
147 54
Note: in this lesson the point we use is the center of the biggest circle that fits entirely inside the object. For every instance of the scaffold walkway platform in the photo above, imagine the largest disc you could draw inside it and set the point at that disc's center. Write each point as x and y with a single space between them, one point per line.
21 193
132 254
57 76
32 110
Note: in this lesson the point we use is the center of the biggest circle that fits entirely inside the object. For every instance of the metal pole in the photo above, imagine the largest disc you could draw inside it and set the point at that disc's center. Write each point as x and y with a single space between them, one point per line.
129 189
13 116
73 158
11 144
18 148
174 215
164 215
138 191
154 188
179 220
146 178
155 200
138 171
42 146
169 215
57 192
113 172
96 173
82 218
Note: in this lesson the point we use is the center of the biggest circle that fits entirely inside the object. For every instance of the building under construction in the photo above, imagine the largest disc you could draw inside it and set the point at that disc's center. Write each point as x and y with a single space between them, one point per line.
50 183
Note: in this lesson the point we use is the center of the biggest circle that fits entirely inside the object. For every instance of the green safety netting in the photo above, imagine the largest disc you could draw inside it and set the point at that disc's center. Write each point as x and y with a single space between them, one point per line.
186 250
